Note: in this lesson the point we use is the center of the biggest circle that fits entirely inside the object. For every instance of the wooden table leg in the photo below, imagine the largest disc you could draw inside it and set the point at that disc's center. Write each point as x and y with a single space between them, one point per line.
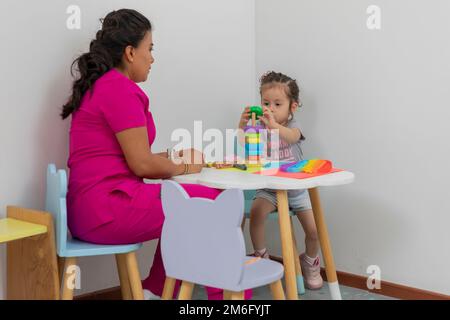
286 245
298 269
325 245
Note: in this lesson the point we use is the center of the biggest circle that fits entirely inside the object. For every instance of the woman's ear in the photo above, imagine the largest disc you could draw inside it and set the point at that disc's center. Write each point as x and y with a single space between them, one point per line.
129 54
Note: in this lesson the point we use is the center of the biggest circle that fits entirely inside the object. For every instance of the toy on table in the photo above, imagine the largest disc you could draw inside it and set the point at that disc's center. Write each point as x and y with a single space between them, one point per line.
230 162
275 164
308 166
226 165
253 144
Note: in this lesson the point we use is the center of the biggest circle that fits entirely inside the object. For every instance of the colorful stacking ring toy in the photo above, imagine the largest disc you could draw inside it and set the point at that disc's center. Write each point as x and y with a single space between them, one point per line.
308 166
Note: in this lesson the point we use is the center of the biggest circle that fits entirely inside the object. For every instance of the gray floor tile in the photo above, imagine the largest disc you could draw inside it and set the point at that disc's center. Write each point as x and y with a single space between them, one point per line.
347 293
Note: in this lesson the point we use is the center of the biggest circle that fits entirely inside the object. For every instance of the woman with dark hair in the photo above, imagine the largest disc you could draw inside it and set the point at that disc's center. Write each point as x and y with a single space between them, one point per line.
111 135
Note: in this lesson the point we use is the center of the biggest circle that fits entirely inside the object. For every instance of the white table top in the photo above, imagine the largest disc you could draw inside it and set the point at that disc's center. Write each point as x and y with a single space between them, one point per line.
222 179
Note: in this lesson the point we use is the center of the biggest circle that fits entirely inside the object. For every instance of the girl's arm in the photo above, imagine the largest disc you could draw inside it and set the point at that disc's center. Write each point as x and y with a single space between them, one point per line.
290 135
145 164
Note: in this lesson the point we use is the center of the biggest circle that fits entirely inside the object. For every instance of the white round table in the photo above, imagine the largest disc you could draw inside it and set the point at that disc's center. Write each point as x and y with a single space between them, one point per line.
223 179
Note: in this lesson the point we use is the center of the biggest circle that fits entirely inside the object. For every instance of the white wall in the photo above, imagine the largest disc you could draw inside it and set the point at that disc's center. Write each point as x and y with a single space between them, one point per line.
204 68
376 103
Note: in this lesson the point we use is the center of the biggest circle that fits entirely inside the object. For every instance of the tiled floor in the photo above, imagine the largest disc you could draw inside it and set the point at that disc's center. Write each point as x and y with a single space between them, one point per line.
347 293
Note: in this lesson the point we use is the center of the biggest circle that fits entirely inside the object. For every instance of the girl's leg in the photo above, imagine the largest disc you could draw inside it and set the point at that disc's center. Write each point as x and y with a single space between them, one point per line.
312 244
258 214
309 261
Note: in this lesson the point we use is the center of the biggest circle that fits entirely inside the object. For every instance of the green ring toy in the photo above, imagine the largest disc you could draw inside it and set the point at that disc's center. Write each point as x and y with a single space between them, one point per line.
257 110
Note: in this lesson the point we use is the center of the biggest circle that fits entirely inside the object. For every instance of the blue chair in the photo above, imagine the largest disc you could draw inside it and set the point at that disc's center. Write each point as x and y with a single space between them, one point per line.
248 198
68 248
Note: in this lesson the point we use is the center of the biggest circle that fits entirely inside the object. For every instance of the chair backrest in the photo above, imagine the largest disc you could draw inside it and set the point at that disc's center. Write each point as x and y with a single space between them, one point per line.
202 240
55 203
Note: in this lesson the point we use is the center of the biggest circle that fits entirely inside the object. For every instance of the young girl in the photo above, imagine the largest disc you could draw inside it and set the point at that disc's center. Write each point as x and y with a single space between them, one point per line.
280 99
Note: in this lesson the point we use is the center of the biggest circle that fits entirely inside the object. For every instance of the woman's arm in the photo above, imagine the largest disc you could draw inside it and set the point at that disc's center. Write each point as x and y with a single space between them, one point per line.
140 159
162 154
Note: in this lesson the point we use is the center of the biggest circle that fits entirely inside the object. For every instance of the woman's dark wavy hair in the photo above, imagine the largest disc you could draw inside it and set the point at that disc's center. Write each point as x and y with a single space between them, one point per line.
120 29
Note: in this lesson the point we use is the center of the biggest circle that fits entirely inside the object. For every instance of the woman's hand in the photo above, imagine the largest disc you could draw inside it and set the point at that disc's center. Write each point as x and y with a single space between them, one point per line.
192 156
268 119
245 116
194 160
194 168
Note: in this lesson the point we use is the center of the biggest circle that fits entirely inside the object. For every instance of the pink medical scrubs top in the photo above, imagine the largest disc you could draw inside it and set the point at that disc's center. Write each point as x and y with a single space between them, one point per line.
97 164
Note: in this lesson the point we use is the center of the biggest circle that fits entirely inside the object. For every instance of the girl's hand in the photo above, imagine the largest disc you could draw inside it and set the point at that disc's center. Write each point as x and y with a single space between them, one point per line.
268 119
245 116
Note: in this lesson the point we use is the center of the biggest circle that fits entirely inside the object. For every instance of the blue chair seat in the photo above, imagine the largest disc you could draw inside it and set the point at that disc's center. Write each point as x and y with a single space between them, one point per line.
78 248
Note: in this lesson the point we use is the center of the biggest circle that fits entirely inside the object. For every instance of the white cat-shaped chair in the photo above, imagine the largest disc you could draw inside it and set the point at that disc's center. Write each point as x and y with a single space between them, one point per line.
202 243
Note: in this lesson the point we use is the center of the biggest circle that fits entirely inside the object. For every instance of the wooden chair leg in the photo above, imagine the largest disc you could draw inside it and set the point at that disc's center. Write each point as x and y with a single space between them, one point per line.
61 262
227 295
286 245
325 245
123 277
134 276
67 288
298 269
186 291
237 295
277 290
169 287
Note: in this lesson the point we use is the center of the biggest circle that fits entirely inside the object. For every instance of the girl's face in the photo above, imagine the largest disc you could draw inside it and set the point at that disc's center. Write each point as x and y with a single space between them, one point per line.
276 99
140 59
